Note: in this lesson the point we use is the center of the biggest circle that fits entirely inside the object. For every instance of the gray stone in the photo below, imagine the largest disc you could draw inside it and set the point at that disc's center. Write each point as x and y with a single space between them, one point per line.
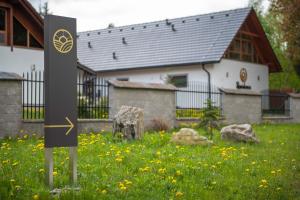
130 122
239 133
188 136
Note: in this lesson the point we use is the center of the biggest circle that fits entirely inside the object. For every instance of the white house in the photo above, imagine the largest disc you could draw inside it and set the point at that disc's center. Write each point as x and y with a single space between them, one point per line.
21 37
226 49
230 46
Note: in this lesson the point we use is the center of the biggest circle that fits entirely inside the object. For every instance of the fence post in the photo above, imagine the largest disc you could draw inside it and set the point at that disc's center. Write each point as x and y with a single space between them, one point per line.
295 107
10 104
241 106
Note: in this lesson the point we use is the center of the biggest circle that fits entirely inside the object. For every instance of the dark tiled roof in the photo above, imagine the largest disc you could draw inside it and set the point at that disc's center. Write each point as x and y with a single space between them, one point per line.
196 39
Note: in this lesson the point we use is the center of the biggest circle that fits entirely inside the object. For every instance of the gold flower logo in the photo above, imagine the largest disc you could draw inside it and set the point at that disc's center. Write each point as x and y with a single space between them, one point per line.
63 41
243 75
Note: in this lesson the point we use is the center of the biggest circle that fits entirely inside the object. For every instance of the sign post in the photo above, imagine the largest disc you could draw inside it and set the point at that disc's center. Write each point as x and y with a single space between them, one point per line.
60 91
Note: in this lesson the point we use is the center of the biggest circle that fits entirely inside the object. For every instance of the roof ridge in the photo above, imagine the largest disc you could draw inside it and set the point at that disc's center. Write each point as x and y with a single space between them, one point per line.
177 18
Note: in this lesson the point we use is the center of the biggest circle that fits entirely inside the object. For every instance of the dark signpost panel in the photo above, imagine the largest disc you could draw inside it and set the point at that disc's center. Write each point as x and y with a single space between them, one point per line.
60 82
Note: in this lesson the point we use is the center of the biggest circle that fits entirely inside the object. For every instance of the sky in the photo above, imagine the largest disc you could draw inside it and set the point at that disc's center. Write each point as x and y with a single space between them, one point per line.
97 14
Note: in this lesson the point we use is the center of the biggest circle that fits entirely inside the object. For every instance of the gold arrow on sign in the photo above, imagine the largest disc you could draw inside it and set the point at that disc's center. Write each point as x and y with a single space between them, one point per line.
70 126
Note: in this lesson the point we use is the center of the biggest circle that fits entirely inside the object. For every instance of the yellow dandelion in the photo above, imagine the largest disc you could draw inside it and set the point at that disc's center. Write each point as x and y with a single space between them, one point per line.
104 192
179 194
264 181
35 197
127 182
174 181
178 173
41 170
127 151
18 187
55 173
162 170
273 172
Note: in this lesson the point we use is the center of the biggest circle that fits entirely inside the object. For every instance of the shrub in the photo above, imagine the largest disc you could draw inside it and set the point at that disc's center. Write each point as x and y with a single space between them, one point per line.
209 120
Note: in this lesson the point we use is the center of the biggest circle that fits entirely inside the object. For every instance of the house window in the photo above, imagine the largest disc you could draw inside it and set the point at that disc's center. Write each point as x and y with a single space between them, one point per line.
22 37
122 79
179 81
34 43
243 48
20 34
3 26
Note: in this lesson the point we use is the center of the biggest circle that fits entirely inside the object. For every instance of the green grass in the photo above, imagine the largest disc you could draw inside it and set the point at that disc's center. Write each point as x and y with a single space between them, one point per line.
155 169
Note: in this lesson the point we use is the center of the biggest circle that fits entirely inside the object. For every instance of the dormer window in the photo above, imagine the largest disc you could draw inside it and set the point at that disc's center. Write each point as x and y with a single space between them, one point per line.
3 26
22 37
20 34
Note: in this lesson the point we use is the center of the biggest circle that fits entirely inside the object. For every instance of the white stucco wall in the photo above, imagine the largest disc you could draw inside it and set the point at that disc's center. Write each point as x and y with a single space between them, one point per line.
159 75
233 68
195 73
20 59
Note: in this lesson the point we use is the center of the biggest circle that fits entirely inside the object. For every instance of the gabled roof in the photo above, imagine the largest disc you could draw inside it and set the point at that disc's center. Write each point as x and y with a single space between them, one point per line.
182 41
31 10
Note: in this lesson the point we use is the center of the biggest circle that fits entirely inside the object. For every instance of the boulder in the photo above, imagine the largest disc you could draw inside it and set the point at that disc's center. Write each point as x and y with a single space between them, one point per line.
239 133
188 136
129 121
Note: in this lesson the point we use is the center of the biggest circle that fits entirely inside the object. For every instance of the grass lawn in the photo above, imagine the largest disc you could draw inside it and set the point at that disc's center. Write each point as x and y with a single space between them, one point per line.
155 169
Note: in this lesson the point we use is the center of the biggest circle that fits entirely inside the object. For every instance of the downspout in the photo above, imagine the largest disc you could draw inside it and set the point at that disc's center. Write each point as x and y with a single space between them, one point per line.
209 84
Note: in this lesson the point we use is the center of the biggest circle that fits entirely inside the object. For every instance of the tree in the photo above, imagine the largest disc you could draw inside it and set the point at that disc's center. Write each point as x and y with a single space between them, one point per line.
44 10
271 21
288 14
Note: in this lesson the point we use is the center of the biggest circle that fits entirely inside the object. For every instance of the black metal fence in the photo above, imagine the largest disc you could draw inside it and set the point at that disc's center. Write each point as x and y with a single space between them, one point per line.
92 98
275 104
191 100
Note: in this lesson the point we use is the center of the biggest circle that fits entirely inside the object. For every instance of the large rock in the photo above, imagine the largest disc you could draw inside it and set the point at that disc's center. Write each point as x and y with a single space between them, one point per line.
188 136
239 133
129 121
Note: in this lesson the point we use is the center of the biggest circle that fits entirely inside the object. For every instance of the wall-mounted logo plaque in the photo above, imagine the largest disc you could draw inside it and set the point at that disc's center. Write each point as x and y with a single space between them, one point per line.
243 77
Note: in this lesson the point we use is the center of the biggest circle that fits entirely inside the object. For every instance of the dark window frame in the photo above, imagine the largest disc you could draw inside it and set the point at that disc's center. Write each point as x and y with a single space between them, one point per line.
180 85
243 48
14 32
4 32
123 79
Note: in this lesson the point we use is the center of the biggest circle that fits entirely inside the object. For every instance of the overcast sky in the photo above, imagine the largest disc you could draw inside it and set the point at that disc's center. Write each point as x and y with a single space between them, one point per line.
97 14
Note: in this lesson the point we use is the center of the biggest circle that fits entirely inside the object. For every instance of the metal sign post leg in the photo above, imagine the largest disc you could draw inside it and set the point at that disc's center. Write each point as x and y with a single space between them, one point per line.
49 166
73 165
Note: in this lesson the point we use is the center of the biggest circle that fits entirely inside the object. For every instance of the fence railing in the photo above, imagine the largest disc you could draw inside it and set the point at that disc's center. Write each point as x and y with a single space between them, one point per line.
92 98
275 104
191 101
